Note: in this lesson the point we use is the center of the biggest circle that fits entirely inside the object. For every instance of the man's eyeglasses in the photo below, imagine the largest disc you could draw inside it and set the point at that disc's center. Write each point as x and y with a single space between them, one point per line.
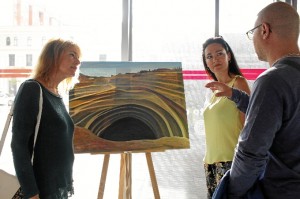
250 32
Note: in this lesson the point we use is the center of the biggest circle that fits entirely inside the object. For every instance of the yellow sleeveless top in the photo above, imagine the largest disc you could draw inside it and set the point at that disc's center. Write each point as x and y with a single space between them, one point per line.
222 128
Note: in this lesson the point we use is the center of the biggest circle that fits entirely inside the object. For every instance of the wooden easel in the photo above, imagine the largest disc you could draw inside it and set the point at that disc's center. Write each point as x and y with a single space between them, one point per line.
125 180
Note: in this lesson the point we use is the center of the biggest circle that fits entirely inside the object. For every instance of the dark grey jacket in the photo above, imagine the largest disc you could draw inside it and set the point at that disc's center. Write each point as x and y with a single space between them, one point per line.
271 135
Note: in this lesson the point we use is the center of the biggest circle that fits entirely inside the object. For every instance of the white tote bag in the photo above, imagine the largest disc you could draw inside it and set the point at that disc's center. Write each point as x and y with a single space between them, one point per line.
9 183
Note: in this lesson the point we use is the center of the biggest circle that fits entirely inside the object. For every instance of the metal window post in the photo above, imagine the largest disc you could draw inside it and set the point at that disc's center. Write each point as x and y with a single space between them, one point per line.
126 45
217 13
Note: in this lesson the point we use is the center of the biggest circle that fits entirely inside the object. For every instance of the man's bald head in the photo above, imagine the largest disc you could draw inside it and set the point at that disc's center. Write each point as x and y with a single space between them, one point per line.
282 18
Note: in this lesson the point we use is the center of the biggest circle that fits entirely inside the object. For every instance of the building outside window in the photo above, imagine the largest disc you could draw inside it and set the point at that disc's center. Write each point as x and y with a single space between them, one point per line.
29 60
12 59
15 41
7 41
29 41
102 57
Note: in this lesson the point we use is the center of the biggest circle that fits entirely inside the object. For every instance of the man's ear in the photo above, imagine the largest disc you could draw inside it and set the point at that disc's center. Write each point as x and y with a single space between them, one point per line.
266 30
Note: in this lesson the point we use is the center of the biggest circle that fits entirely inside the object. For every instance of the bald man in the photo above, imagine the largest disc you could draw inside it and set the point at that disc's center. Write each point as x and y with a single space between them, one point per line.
269 144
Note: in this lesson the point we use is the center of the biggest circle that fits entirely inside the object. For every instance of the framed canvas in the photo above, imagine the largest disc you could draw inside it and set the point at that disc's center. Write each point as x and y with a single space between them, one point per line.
129 106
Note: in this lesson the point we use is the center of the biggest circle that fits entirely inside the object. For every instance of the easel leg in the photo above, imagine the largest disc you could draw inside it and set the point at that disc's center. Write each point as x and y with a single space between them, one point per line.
125 176
152 175
103 176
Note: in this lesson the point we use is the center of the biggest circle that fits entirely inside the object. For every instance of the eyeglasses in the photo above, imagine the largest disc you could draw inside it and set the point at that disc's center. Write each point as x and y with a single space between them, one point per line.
250 32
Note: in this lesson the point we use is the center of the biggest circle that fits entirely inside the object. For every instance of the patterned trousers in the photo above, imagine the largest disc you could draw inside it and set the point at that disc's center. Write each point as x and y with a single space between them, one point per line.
214 173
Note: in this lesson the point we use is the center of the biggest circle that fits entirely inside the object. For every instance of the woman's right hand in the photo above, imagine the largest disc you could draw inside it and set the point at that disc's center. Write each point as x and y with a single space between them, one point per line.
222 89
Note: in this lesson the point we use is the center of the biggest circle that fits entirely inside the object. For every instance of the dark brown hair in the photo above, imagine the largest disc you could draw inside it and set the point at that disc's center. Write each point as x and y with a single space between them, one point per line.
233 66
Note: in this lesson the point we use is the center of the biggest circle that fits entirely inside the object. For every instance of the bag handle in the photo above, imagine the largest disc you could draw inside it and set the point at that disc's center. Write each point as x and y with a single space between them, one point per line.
4 133
9 117
38 121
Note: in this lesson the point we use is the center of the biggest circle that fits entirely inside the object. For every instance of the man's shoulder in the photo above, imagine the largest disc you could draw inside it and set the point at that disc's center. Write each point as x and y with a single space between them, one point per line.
284 68
289 64
268 75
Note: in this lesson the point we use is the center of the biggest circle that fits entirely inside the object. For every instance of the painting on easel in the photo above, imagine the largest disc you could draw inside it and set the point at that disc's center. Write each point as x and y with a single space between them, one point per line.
129 106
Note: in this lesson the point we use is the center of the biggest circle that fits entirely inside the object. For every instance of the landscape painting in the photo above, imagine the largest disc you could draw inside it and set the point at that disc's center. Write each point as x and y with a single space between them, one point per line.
129 106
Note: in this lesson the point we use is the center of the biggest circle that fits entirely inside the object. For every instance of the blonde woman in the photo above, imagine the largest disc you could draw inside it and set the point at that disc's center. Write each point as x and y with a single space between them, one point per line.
50 175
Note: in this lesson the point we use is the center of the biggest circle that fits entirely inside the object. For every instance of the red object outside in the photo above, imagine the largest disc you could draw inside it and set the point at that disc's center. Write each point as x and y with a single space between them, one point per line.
250 74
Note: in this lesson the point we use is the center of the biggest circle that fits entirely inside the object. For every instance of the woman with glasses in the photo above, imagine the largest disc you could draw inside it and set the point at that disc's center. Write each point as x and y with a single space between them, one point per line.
223 121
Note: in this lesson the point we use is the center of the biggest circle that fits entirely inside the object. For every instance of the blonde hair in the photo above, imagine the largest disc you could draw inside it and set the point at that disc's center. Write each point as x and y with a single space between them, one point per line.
50 59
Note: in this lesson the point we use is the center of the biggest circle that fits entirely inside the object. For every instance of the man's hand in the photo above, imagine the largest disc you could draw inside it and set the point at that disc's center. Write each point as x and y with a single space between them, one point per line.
222 89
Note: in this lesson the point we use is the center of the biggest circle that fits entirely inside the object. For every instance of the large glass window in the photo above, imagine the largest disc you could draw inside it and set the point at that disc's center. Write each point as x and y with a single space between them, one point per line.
174 31
235 21
171 30
96 25
162 30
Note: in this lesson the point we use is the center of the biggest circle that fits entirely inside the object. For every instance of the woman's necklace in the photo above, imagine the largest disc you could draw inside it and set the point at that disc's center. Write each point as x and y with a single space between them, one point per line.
53 89
49 86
